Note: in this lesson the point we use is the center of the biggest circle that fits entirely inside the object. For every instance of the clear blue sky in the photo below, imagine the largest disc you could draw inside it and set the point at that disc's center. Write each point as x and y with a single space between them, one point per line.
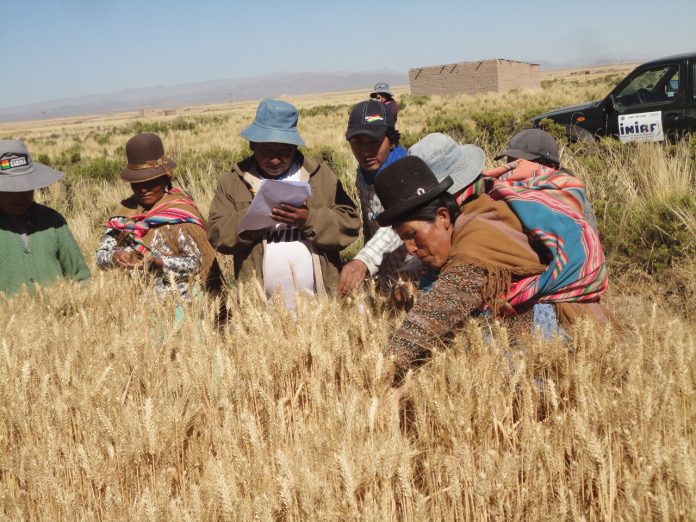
60 48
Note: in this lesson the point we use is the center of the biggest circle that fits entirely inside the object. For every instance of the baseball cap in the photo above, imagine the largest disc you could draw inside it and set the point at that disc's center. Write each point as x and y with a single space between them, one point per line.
532 145
371 118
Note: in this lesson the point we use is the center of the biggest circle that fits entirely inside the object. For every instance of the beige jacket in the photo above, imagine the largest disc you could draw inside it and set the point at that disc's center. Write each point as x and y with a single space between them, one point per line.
332 225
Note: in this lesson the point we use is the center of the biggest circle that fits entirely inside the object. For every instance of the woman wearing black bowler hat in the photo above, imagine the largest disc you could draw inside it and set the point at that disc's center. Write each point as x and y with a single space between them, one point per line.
480 250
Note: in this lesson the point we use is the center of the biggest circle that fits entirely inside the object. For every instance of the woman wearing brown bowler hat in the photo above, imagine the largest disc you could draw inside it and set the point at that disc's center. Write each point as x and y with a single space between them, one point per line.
159 228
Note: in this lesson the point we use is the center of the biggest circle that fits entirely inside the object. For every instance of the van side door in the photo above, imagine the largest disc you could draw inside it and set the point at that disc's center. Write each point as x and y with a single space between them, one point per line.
650 104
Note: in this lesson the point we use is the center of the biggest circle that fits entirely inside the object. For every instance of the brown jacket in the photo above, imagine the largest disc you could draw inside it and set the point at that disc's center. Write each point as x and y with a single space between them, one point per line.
332 225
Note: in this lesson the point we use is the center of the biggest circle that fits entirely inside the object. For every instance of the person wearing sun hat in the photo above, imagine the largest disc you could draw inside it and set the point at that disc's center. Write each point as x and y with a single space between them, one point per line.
532 154
158 229
382 94
37 247
300 253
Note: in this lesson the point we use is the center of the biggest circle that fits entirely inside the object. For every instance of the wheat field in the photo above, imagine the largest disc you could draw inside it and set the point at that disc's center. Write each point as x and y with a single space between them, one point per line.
113 411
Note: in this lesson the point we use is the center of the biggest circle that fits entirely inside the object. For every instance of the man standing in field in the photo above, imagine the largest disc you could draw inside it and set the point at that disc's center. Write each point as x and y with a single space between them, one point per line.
374 141
299 252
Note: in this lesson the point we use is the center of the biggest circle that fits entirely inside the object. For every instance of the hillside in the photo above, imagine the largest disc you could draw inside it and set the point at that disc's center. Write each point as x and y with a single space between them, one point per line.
202 93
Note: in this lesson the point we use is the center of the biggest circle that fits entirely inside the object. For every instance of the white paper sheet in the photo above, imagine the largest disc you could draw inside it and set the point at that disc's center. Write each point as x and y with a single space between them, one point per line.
271 194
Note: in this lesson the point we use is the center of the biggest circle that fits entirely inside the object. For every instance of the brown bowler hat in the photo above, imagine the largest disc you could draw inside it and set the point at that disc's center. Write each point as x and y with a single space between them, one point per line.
146 159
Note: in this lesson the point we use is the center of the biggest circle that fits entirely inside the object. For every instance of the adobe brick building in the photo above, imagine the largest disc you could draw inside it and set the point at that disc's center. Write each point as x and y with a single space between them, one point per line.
497 75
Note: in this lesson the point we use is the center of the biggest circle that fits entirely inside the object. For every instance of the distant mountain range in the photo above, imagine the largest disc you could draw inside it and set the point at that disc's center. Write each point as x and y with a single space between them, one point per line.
597 62
202 93
230 90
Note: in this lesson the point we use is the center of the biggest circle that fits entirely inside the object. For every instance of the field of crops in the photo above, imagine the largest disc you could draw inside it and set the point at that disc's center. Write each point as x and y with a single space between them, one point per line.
111 410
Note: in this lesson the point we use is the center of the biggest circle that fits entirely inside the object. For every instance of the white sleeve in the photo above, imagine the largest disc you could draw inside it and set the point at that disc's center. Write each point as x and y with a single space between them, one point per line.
384 242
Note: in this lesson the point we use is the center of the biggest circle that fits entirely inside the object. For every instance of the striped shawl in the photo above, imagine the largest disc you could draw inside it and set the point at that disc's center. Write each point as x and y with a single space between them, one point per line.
554 213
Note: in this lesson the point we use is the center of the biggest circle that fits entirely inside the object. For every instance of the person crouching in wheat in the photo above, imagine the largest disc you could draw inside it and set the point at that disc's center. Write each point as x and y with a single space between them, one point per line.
158 229
484 259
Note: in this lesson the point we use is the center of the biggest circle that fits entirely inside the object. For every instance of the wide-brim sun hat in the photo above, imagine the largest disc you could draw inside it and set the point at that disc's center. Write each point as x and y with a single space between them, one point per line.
532 145
275 122
405 185
146 159
18 173
381 88
445 157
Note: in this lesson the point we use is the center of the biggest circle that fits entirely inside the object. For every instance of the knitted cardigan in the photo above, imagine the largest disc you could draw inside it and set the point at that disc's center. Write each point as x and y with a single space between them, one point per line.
50 253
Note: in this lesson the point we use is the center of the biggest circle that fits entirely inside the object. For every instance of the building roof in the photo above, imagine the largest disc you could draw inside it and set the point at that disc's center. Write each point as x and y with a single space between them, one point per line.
475 61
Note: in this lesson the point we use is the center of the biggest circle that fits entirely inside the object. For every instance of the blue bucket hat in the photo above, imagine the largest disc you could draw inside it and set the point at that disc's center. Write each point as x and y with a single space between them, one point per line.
275 122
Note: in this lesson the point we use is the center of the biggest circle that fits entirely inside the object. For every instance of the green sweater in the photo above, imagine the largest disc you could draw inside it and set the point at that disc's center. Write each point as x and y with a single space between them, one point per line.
50 251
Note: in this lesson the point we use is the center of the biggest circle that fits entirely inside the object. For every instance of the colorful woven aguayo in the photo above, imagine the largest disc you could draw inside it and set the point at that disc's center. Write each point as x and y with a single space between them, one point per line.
554 212
171 211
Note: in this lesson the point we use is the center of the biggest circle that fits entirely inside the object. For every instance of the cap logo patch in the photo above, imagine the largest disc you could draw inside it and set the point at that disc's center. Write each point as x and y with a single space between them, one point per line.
10 163
420 191
373 118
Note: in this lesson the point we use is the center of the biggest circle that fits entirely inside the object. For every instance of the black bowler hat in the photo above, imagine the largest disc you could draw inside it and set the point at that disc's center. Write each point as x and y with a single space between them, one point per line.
406 185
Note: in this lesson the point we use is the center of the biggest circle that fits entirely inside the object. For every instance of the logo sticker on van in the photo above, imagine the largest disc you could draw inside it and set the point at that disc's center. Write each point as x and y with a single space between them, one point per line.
642 126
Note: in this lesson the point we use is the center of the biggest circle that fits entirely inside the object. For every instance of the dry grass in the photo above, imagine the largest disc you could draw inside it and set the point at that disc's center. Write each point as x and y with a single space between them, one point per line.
111 412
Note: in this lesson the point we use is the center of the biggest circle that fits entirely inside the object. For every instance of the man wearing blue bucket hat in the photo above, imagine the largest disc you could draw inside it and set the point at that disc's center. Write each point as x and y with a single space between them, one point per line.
300 253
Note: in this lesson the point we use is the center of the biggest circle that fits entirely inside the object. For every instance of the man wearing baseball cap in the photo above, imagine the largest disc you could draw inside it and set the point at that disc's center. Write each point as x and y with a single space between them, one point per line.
532 145
37 245
374 141
532 153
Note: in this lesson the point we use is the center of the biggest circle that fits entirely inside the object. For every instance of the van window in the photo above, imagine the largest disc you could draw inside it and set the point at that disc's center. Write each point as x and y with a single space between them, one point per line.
659 84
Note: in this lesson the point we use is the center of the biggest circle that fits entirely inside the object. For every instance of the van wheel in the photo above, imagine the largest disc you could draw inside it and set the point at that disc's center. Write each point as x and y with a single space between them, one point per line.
577 134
